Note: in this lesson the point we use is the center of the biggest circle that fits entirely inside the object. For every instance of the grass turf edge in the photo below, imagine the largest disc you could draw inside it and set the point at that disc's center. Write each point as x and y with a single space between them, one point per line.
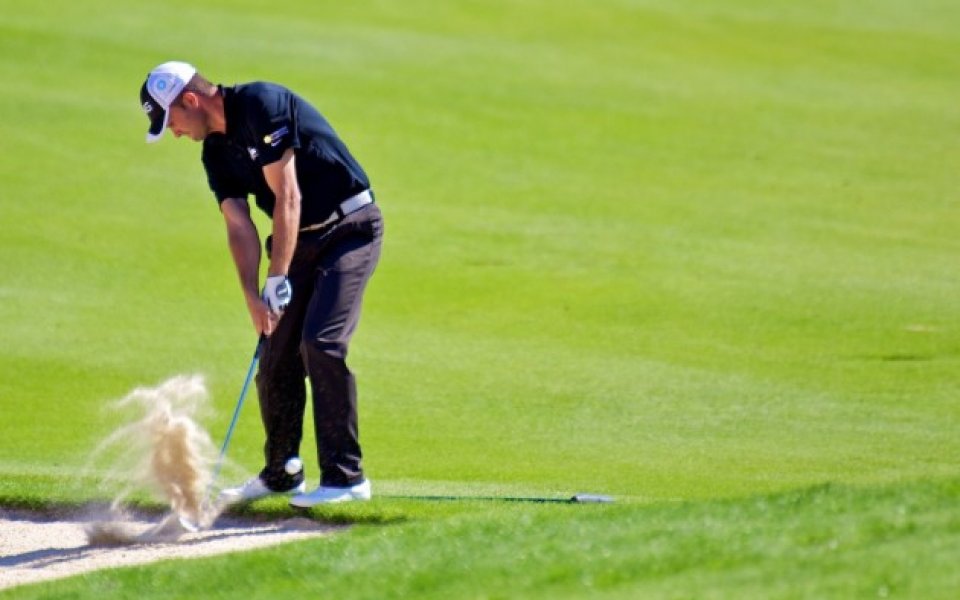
849 538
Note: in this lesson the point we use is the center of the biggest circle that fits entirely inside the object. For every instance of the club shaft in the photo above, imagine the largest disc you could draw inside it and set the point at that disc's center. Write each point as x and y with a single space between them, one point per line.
236 411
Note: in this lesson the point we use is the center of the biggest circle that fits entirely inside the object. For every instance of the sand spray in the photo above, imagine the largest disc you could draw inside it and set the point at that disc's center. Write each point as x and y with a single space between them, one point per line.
164 451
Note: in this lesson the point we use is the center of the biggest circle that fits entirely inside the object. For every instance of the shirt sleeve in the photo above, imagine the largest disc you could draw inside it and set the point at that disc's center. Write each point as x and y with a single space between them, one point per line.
221 173
273 119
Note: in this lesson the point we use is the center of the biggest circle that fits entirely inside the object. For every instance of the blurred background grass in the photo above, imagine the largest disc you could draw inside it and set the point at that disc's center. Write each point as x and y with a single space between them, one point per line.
670 251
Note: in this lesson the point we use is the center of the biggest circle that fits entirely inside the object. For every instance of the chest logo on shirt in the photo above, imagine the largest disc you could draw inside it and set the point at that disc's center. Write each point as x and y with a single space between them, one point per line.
253 153
274 138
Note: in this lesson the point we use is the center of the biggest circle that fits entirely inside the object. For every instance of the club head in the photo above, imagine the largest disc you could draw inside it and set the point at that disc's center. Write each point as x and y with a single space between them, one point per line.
188 525
170 529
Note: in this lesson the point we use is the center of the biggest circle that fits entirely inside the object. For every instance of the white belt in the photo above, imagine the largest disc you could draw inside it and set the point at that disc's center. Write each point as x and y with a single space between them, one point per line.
348 206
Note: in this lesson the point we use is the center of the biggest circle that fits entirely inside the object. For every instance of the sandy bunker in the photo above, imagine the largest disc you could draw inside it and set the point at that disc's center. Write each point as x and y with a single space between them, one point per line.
35 547
161 450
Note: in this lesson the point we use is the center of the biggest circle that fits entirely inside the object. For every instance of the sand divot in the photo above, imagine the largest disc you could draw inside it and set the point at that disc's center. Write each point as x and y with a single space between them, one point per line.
163 451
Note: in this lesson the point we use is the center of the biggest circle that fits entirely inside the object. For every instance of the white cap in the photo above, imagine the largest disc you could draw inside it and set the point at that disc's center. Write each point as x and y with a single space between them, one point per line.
163 85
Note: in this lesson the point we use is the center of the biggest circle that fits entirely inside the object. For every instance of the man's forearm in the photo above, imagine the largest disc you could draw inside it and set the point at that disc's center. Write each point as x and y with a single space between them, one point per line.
286 223
281 176
244 244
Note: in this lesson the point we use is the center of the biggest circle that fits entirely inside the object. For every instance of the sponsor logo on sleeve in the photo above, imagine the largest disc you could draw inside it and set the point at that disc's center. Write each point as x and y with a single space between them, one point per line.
253 153
272 139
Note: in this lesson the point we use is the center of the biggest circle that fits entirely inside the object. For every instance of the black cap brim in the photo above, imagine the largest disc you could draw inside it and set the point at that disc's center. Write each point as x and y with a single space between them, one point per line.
156 114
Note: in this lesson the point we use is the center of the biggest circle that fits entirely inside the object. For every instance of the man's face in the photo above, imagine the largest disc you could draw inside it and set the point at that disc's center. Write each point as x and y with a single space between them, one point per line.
188 118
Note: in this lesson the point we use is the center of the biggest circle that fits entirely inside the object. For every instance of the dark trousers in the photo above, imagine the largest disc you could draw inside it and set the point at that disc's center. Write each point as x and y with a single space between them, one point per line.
328 273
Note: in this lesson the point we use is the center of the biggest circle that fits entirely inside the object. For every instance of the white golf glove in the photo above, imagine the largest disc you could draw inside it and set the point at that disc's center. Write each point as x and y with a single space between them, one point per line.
277 293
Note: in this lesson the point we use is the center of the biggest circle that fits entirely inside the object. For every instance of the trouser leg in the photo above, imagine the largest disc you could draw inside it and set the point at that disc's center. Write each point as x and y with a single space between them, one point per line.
281 387
329 323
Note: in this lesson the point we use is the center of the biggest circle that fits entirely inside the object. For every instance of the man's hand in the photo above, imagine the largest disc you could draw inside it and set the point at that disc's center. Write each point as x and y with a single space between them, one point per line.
263 320
277 294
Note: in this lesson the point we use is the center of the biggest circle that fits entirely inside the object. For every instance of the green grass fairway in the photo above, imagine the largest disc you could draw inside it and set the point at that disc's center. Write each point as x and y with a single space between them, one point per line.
814 543
701 256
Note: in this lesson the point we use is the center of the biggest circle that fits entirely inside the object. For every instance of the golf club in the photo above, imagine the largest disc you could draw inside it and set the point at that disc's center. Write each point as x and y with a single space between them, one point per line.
236 413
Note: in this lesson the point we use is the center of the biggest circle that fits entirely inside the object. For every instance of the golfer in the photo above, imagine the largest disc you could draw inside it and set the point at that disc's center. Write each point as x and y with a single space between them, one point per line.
262 140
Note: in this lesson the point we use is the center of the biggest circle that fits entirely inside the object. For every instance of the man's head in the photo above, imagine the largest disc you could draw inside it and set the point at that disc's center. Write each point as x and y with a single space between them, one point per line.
174 95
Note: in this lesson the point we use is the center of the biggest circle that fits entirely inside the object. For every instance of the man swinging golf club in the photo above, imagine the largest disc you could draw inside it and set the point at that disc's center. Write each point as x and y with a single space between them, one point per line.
263 140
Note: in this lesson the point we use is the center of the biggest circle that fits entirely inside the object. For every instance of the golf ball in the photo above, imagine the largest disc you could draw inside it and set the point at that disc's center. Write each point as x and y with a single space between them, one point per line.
293 466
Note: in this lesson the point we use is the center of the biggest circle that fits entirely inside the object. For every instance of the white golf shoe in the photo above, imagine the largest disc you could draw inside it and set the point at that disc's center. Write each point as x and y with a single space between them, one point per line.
255 489
330 495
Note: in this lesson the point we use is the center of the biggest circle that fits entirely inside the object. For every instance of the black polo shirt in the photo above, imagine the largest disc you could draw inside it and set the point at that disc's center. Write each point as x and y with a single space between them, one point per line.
263 121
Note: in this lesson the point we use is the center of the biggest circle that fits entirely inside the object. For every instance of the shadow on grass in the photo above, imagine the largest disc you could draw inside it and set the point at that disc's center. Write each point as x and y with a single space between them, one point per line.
576 499
264 511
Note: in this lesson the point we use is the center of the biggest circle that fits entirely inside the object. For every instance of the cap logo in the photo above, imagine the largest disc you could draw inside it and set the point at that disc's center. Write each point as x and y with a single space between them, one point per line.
147 107
164 88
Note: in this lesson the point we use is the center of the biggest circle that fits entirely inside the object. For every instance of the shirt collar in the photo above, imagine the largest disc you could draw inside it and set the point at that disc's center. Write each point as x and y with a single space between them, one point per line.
229 106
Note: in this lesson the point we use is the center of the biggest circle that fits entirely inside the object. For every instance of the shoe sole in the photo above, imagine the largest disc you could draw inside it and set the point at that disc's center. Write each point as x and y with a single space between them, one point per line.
233 499
340 500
